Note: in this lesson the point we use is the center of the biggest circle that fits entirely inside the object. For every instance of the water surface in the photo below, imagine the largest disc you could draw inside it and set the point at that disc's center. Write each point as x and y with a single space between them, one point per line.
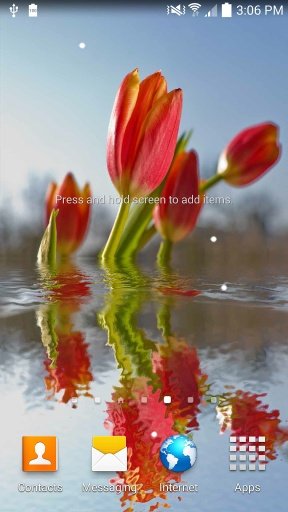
140 330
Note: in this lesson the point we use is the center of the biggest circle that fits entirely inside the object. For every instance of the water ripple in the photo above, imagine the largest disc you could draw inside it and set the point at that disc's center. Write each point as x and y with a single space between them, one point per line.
22 289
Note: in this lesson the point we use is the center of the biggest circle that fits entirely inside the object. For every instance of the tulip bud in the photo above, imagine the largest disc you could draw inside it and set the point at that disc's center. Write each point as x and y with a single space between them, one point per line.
142 134
73 213
250 154
180 202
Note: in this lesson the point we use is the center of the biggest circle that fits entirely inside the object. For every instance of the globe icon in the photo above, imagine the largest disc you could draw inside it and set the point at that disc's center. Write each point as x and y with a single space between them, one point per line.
178 453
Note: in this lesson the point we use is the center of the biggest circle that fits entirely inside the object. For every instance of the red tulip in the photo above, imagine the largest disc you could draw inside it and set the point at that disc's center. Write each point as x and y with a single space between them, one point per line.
175 221
73 217
250 154
142 133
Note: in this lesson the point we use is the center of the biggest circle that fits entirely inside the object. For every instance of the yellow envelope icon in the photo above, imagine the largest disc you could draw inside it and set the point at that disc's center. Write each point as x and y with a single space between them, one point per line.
109 453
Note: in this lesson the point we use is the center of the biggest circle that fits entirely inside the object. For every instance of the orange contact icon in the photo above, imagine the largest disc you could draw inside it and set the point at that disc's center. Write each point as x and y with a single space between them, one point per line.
39 453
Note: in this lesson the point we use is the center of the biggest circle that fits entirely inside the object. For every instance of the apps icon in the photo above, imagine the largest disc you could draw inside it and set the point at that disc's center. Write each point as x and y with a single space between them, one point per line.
178 453
247 453
39 453
109 453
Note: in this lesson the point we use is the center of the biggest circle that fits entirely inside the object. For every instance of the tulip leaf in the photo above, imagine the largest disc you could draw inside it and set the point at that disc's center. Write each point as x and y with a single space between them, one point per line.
183 141
47 253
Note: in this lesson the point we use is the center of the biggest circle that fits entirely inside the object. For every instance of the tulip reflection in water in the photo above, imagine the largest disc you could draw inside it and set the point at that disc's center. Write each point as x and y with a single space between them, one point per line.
149 369
68 362
177 362
244 413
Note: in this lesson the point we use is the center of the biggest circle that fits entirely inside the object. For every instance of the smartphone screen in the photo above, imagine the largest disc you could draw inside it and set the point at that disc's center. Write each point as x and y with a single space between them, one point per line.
144 222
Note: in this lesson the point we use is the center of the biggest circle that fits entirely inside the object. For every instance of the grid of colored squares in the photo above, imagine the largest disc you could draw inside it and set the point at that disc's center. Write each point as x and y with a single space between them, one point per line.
247 453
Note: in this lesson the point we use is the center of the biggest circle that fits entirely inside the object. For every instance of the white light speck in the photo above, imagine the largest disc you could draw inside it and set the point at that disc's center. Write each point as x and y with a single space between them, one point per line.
213 239
224 287
82 46
154 434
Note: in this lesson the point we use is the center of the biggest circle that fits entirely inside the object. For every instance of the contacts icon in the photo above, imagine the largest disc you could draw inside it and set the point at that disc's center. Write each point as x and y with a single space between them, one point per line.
39 453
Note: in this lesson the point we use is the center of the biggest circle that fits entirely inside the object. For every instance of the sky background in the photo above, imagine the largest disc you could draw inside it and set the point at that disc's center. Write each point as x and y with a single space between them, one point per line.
56 98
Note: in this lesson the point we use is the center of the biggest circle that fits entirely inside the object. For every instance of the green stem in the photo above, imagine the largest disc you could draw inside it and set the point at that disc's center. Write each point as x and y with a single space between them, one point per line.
146 236
140 219
164 253
136 241
116 232
210 183
137 234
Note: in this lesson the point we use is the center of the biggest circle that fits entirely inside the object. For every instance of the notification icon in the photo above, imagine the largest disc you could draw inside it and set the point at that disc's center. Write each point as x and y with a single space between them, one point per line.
33 11
13 9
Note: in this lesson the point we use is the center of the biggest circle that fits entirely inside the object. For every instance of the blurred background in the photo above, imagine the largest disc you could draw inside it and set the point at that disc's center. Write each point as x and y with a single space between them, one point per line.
60 73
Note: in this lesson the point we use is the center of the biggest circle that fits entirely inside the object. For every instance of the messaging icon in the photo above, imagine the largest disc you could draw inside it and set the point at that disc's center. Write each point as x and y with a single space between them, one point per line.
109 453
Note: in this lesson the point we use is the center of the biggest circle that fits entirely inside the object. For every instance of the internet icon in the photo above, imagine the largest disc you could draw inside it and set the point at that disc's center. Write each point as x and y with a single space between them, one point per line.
178 453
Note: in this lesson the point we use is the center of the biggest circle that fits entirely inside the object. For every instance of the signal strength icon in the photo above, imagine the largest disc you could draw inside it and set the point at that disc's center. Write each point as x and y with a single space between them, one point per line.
194 8
212 13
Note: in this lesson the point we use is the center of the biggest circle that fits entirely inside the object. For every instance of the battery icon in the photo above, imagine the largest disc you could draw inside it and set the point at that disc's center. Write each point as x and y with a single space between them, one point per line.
226 10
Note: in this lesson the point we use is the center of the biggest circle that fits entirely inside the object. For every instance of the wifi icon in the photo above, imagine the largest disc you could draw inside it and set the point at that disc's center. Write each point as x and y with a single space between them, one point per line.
194 8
